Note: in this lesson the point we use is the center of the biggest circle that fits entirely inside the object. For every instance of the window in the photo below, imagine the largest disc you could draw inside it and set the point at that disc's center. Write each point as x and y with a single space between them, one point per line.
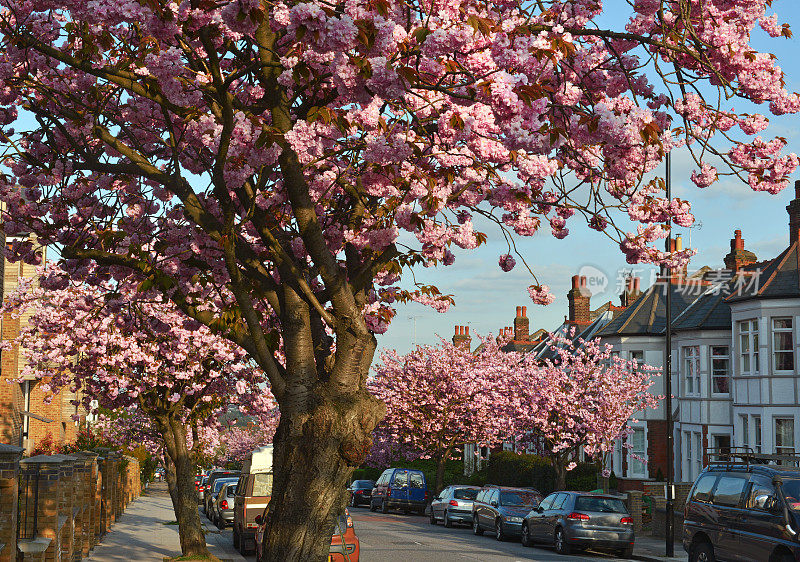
702 490
400 479
761 485
757 433
517 498
638 356
558 503
722 444
748 346
782 348
548 501
262 484
688 446
415 480
698 460
691 370
729 490
638 452
745 425
465 493
599 505
720 369
784 436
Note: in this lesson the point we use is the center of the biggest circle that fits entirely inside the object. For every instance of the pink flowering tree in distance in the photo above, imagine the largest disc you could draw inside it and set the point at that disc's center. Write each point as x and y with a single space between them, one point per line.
167 377
237 441
257 161
581 399
439 398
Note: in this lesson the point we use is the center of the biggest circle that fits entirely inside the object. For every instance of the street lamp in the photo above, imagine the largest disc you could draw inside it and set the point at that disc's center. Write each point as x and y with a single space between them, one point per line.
669 491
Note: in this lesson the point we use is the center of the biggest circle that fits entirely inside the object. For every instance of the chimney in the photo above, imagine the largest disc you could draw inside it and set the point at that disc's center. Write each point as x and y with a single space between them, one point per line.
632 291
522 325
794 214
578 298
462 337
738 257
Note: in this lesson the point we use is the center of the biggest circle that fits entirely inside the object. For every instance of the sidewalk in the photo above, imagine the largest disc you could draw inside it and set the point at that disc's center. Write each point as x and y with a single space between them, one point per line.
140 534
651 548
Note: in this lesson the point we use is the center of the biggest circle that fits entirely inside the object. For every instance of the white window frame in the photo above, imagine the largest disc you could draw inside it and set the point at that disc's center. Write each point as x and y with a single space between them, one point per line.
633 463
691 370
757 433
748 338
744 422
714 373
775 351
784 449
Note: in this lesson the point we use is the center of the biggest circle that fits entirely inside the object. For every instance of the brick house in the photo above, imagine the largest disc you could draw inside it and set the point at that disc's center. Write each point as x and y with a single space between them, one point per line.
25 417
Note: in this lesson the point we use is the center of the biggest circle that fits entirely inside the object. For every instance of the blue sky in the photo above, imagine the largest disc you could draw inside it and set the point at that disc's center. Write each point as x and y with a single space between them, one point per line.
486 297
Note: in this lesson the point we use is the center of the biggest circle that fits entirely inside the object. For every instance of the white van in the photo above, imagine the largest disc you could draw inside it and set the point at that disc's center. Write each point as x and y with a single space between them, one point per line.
252 495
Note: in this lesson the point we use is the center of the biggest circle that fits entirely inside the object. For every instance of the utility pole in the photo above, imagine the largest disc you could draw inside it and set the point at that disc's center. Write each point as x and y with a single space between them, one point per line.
414 318
669 491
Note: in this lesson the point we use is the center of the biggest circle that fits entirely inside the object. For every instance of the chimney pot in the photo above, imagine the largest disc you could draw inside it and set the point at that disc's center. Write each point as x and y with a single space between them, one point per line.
636 281
519 311
583 281
456 331
466 330
575 281
524 311
678 243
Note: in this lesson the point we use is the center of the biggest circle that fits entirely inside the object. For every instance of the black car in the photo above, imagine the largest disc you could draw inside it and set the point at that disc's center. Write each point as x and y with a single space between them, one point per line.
501 509
744 506
361 492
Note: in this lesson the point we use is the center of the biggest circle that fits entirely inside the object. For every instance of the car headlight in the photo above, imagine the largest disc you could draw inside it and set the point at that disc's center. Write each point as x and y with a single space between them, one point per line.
514 519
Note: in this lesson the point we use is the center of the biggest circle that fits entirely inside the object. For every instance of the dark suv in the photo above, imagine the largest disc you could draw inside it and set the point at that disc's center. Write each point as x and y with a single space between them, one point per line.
744 506
501 509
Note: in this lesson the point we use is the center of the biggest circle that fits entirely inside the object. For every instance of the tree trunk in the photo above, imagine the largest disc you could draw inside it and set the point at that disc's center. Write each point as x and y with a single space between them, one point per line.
181 490
441 463
325 431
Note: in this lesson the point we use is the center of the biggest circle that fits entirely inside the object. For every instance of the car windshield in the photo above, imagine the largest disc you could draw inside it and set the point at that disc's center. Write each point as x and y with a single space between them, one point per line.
599 505
465 494
791 491
363 484
510 498
218 484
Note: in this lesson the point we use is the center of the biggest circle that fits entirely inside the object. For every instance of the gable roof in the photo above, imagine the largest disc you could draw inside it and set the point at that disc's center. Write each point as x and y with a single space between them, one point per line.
772 279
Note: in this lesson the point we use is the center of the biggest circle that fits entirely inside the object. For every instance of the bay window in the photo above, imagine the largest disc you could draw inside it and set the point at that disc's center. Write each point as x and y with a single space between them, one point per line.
782 344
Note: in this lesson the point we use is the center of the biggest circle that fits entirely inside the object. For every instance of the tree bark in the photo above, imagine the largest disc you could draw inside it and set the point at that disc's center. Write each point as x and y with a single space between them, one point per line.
180 482
441 463
325 431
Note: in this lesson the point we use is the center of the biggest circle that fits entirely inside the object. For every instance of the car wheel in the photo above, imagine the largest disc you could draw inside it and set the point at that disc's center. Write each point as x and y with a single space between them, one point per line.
526 536
626 552
433 518
372 506
447 522
560 542
243 550
702 552
235 539
498 530
476 527
384 507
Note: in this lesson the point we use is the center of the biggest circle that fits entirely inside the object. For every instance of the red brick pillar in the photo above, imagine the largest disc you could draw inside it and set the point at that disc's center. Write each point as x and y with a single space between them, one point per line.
105 495
97 512
41 498
86 467
66 505
9 490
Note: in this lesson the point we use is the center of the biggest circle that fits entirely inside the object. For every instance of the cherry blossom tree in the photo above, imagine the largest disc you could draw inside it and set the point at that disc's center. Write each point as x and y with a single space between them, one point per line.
238 441
439 398
256 161
167 377
581 399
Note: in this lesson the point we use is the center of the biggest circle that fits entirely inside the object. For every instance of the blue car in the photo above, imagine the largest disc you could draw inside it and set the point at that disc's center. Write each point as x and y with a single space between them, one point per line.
400 488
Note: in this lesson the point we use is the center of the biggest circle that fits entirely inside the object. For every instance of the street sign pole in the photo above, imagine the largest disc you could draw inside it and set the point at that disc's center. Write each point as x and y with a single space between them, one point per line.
669 491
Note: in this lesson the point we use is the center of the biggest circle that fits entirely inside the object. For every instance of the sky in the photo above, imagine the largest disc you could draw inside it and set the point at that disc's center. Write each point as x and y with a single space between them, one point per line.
486 297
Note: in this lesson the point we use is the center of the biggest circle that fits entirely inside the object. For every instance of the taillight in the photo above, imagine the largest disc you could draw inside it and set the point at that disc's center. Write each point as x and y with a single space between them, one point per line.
454 503
575 516
349 522
224 504
426 495
359 491
208 488
626 520
388 492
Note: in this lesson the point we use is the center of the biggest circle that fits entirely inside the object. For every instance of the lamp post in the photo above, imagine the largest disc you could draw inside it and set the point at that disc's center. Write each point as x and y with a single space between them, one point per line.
669 490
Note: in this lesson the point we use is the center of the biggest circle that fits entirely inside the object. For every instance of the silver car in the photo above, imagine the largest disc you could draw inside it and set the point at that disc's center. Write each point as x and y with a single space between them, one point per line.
222 503
578 520
454 505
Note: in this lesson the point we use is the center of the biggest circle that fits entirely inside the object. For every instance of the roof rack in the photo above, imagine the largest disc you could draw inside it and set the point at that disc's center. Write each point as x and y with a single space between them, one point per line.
729 456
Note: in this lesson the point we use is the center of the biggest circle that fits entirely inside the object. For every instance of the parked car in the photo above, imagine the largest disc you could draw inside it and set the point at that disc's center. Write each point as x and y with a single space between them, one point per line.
400 488
222 508
344 542
214 492
454 505
158 475
578 520
198 481
744 506
500 509
253 493
361 492
209 489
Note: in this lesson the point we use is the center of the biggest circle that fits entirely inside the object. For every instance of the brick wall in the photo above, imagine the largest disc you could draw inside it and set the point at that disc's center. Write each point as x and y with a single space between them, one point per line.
9 490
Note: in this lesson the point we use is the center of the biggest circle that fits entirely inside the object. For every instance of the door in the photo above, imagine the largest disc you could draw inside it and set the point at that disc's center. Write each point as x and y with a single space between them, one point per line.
727 505
551 516
486 514
438 505
416 488
400 487
536 519
758 529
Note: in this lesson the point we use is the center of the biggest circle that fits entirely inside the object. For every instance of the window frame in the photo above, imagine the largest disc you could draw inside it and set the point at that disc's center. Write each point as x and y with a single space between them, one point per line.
633 462
785 449
690 354
758 431
713 370
775 351
750 335
744 423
